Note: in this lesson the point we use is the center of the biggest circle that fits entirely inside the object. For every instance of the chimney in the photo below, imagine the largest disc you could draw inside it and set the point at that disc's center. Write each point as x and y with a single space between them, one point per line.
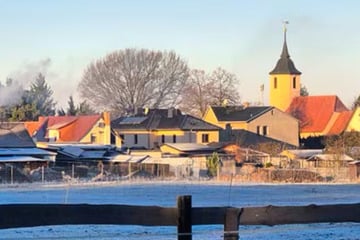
146 111
106 117
246 104
170 113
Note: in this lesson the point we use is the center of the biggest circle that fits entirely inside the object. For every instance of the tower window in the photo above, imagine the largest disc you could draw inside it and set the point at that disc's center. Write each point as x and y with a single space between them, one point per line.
294 82
163 138
275 82
174 138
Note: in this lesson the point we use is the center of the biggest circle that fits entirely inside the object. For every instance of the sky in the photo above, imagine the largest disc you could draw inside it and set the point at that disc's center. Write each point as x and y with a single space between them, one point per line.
245 37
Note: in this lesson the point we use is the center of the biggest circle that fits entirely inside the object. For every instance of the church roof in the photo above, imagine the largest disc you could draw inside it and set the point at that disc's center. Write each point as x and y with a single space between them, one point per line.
285 65
319 114
341 123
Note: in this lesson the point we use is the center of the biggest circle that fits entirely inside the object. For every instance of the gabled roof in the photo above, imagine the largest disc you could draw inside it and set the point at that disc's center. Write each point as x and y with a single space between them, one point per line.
14 135
72 128
315 112
341 123
248 139
161 119
239 113
285 65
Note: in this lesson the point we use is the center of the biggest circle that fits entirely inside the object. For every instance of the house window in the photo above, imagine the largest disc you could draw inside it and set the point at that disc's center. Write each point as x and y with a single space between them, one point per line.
122 138
101 125
205 138
275 82
258 130
93 138
163 138
265 130
135 139
174 138
294 82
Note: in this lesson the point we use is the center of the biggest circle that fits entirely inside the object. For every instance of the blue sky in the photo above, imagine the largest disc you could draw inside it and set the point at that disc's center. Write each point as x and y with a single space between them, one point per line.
245 37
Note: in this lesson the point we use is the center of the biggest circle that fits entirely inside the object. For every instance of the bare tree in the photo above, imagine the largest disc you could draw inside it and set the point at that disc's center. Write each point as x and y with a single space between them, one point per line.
224 87
204 89
129 79
195 96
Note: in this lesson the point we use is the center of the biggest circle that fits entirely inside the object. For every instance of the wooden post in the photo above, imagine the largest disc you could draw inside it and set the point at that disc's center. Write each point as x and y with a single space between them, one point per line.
184 218
231 224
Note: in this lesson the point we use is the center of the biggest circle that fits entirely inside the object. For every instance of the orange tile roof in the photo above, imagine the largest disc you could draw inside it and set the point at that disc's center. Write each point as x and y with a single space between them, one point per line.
79 128
72 128
33 126
315 112
341 123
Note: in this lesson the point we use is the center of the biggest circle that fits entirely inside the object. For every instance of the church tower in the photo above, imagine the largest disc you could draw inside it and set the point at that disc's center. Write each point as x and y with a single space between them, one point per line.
284 80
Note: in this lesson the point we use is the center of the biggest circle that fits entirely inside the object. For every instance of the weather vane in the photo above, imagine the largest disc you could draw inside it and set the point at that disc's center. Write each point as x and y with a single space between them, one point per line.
285 22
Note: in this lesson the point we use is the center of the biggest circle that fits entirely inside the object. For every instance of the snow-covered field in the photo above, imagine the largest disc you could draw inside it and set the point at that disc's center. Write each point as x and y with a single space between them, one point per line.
203 194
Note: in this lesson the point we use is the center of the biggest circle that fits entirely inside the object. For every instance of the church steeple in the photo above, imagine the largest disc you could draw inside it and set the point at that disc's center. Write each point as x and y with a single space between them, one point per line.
285 65
284 80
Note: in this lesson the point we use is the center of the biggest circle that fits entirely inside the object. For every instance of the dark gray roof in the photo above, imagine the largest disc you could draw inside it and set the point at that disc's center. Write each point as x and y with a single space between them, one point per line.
248 139
162 119
14 135
285 65
239 113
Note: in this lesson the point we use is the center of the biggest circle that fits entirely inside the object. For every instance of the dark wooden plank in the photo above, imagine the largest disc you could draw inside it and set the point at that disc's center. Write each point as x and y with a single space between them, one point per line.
273 215
30 215
184 218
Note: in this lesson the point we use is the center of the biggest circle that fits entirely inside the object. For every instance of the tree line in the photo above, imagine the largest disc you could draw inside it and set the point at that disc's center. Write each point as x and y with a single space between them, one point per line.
18 104
124 81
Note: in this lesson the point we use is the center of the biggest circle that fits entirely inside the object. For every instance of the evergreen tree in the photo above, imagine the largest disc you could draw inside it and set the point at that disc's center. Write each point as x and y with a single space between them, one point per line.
303 91
356 103
25 110
41 95
72 110
84 108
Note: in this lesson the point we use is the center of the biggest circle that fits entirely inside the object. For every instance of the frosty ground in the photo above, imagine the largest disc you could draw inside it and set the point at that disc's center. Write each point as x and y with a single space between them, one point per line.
164 193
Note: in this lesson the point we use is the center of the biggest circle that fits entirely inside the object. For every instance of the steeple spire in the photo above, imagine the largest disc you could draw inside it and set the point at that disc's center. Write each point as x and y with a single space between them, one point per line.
285 65
285 52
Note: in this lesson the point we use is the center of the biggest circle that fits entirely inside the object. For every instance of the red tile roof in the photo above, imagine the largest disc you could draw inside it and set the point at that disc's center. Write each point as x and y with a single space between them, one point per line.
341 123
315 112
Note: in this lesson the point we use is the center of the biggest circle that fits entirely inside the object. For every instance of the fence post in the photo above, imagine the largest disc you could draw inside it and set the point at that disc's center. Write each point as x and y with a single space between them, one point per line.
184 218
231 224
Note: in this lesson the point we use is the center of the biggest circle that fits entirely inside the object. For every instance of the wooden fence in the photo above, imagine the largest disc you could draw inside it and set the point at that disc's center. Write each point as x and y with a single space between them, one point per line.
184 216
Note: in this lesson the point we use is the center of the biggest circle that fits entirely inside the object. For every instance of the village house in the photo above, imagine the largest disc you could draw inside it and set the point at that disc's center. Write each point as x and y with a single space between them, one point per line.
151 128
71 129
262 120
